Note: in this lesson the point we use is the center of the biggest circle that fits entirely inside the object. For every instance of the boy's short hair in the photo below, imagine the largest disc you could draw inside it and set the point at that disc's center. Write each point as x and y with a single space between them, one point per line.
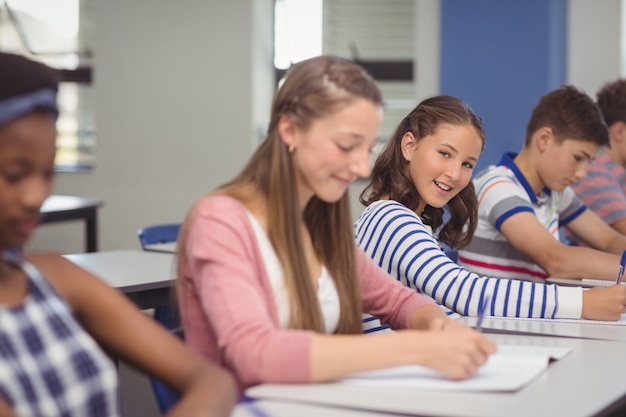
571 114
612 101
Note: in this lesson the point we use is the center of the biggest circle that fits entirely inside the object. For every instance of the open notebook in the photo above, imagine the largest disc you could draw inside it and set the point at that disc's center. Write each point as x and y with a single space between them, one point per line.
509 369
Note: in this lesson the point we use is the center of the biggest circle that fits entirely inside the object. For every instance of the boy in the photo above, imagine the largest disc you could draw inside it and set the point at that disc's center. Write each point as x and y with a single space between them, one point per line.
604 188
526 198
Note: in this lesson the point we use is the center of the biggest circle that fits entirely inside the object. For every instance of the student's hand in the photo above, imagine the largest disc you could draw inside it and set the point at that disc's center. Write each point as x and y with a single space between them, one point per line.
427 317
604 303
447 324
455 354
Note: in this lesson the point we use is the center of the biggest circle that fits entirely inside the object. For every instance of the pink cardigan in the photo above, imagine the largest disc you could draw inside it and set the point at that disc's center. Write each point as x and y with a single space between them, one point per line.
228 307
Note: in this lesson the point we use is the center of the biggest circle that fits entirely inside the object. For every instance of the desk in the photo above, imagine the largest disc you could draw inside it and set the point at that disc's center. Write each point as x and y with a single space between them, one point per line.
287 409
550 328
168 247
144 277
588 382
61 208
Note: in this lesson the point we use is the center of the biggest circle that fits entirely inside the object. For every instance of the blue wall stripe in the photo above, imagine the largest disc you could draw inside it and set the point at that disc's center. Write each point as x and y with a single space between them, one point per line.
500 57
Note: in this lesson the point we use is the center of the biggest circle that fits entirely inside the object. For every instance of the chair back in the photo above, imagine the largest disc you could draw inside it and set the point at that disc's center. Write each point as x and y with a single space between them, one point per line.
167 315
158 233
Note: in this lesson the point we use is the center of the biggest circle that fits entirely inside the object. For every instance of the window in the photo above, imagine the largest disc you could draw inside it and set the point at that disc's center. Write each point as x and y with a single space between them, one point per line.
297 31
379 35
59 33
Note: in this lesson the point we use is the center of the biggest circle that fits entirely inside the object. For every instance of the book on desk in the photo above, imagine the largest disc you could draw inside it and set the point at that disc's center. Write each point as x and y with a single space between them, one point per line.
509 369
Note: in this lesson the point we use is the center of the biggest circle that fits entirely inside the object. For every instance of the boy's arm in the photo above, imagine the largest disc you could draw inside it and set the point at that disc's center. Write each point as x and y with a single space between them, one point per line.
620 225
589 227
529 236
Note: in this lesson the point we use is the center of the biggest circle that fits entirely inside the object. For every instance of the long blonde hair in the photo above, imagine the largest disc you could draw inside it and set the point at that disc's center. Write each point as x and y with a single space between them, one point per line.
313 89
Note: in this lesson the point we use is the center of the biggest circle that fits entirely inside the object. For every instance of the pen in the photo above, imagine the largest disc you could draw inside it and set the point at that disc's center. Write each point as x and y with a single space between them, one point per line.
482 307
620 273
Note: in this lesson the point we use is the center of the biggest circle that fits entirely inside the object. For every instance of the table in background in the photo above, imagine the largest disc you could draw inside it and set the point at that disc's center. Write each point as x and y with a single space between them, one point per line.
168 247
581 329
144 277
61 208
587 382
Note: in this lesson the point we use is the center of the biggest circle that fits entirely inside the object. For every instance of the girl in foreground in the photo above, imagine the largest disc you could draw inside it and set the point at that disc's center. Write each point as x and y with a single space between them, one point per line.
428 164
270 282
55 318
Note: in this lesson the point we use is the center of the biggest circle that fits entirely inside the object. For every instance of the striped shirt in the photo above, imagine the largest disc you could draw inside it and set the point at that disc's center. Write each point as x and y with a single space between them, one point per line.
603 190
502 192
397 240
49 365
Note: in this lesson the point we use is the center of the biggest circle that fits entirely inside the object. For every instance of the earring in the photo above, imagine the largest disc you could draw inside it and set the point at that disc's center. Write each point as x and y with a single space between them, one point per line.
292 148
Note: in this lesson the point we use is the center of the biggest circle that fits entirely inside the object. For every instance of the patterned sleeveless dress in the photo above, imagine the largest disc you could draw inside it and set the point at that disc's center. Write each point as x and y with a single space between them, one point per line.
49 365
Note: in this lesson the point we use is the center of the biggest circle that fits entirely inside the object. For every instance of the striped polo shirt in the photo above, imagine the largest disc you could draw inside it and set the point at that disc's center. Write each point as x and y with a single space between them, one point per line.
603 190
502 192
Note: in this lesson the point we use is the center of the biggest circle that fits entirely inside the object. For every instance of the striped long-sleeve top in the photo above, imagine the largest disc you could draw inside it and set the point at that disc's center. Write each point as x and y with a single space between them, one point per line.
397 240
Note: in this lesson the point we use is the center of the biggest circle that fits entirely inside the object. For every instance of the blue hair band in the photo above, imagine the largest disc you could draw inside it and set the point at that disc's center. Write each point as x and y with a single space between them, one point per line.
18 106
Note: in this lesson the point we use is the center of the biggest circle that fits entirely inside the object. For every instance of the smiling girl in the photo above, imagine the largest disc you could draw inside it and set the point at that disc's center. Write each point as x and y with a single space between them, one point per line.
426 166
270 282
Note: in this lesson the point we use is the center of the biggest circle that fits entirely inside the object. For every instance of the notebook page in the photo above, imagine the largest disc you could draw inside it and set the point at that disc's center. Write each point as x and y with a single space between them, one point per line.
509 369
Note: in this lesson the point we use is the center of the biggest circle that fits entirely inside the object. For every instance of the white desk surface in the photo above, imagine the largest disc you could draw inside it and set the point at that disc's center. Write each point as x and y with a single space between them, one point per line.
551 328
268 408
584 383
169 247
128 270
68 202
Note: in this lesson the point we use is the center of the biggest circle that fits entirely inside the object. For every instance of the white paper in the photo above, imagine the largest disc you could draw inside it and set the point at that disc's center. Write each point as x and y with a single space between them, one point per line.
509 369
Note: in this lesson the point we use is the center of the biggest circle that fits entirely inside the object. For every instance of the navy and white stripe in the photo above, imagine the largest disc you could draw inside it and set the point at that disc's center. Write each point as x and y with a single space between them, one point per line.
49 365
397 240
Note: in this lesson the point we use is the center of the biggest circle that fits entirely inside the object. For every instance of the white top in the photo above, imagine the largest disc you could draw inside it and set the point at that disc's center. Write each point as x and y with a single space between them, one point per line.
326 292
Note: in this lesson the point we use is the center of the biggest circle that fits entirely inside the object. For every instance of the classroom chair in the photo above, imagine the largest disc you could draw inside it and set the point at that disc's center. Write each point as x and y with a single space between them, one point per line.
165 397
167 315
158 233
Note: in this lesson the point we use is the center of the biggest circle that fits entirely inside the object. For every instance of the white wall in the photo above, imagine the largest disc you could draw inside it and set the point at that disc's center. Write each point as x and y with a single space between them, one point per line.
427 58
183 90
595 43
